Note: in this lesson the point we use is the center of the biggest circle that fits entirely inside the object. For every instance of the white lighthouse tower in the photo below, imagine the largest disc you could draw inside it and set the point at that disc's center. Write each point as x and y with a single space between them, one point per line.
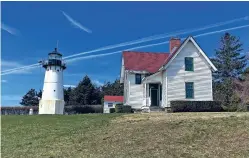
52 101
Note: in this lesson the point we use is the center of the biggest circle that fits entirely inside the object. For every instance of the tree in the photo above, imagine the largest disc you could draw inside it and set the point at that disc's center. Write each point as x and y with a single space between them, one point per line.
115 88
230 64
241 87
67 93
96 96
30 99
39 94
85 93
229 61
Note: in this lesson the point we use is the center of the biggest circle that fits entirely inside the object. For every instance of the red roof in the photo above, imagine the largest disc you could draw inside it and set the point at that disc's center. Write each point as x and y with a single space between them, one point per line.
113 98
144 61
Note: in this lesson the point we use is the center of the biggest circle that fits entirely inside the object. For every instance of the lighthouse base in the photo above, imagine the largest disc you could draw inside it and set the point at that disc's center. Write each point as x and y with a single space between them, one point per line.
51 106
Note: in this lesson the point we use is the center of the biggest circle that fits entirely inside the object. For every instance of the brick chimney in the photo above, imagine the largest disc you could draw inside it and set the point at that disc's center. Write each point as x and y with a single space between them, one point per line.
174 43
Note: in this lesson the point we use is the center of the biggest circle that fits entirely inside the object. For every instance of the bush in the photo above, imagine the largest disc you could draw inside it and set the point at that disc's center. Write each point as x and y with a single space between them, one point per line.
196 106
126 109
82 109
73 109
112 110
18 110
120 108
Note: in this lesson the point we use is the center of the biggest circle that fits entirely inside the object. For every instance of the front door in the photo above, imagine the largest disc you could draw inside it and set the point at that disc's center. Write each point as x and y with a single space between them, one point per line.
154 97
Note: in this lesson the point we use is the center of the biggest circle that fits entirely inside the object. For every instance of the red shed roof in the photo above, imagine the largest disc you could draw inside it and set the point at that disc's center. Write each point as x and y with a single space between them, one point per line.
144 61
113 98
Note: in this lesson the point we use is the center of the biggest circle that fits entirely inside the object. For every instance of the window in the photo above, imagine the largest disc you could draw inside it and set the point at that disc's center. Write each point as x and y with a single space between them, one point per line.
189 88
110 105
189 64
138 78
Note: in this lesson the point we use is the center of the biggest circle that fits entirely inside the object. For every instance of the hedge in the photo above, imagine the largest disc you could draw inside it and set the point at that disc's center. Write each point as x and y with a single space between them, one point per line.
196 106
73 109
112 110
18 110
83 109
120 108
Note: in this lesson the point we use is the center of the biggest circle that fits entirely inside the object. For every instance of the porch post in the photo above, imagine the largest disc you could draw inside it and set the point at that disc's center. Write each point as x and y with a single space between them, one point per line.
129 93
148 95
144 94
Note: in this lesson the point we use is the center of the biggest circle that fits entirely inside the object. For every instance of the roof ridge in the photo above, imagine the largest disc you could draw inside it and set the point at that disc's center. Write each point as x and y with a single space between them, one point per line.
146 52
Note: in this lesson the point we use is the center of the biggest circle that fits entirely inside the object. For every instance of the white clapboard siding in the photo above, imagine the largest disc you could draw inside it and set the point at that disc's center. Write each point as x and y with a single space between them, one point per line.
176 76
135 92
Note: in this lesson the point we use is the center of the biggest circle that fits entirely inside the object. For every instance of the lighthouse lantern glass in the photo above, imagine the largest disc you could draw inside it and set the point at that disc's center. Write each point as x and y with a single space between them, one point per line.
55 56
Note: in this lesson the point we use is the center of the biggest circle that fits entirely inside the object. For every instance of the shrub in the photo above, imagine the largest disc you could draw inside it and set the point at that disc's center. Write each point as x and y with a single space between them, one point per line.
126 109
18 110
82 109
196 106
112 110
73 109
120 108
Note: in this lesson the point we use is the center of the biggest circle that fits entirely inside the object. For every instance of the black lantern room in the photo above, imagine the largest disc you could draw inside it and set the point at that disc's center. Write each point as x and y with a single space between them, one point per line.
54 59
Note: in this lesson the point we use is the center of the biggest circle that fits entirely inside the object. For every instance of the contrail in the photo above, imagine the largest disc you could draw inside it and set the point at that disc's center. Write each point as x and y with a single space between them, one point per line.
150 45
105 54
20 68
229 29
10 72
157 37
146 39
75 23
9 29
85 57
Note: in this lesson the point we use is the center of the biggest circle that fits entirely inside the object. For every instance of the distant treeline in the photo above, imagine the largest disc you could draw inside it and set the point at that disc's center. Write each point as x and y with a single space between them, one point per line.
85 93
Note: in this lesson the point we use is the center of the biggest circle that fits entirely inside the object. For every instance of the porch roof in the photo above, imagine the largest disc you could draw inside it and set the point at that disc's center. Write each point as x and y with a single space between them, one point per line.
154 78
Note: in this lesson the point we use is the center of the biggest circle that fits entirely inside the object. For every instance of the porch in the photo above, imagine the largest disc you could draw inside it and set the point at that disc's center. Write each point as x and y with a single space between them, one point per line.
152 95
152 86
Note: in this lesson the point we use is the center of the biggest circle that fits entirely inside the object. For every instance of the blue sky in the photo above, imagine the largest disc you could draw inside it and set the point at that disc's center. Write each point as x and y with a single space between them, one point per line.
30 31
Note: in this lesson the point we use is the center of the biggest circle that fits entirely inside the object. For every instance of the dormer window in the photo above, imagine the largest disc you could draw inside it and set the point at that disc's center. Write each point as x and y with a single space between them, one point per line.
189 64
138 78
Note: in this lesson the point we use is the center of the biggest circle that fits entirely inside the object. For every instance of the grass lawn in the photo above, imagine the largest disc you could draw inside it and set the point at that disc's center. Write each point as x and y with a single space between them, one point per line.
131 135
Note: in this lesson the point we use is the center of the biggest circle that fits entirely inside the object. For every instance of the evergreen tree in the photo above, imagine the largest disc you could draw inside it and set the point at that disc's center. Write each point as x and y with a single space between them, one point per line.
30 99
115 88
39 94
84 92
96 96
230 64
229 61
67 93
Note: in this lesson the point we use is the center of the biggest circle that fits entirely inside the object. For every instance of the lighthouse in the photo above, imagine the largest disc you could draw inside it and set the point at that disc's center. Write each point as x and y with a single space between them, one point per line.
52 101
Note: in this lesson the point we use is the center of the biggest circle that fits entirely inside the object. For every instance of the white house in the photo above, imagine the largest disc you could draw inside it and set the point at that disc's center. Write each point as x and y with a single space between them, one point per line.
111 101
155 79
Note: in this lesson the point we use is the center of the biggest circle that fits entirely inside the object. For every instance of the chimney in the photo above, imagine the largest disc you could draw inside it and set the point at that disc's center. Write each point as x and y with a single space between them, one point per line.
174 43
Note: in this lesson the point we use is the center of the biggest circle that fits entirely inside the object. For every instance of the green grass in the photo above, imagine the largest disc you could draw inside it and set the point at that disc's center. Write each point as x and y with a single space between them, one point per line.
130 135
